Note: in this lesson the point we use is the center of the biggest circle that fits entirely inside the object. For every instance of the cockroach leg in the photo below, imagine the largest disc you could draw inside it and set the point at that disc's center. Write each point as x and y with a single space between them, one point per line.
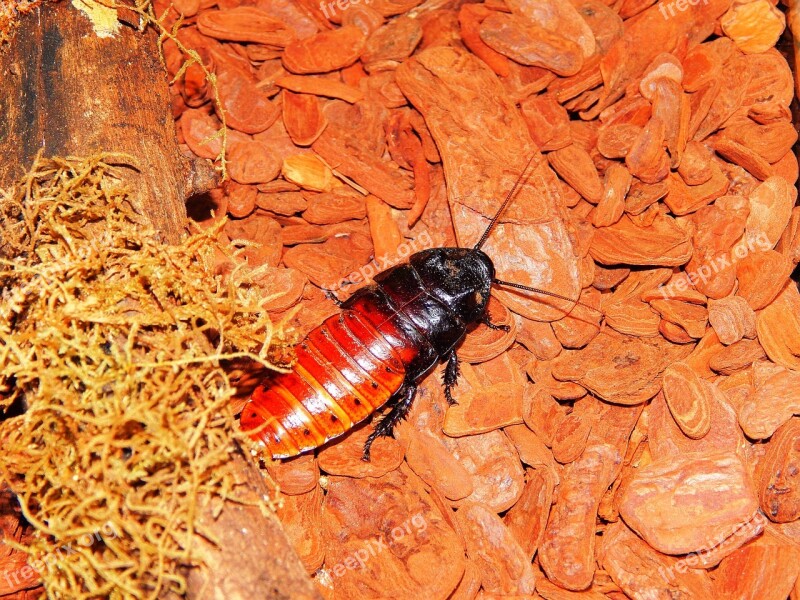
450 379
332 297
488 322
404 398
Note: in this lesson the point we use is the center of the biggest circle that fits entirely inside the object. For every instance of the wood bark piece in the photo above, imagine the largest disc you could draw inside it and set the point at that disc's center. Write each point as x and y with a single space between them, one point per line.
245 24
662 243
386 537
528 517
504 566
755 26
296 476
732 319
765 569
624 309
494 469
619 368
778 327
689 399
772 400
567 552
689 503
560 16
642 572
301 516
665 438
427 453
528 44
345 457
68 92
778 489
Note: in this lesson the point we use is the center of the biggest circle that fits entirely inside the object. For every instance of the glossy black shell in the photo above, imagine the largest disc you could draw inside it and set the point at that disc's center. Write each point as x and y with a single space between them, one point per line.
435 297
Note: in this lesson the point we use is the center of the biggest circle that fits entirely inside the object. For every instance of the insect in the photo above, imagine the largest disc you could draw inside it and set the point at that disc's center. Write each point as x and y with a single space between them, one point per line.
386 337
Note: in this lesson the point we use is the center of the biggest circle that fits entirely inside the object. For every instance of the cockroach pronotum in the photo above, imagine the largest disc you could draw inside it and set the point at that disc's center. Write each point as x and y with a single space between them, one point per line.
387 336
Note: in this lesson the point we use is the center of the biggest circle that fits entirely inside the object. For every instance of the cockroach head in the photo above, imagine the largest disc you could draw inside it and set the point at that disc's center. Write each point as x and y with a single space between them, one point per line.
460 277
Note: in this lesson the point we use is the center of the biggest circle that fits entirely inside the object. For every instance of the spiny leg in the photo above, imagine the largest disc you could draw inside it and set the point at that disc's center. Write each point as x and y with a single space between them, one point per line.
450 378
487 320
404 397
330 295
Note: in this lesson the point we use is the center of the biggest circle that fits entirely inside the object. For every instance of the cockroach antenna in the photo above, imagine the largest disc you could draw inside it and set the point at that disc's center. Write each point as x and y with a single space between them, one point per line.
533 289
527 288
522 176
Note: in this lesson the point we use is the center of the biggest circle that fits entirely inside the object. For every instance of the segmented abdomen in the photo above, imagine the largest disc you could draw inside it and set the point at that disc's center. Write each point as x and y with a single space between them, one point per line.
346 369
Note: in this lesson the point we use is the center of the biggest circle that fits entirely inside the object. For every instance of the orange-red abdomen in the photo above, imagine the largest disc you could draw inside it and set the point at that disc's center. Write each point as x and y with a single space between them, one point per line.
346 368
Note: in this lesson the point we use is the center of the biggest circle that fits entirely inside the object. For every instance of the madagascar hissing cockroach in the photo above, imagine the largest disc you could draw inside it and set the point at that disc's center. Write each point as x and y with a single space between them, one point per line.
387 336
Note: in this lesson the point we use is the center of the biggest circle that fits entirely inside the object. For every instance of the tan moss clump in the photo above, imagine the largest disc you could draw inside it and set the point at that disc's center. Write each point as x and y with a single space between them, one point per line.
112 340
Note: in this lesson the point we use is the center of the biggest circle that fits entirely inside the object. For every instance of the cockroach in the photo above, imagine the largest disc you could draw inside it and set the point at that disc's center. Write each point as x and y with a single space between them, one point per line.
386 337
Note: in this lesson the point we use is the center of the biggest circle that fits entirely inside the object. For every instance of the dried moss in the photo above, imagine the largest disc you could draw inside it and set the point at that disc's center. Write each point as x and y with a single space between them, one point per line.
113 342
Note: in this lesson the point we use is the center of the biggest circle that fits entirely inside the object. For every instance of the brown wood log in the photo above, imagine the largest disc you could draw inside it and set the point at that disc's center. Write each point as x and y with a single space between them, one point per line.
65 91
